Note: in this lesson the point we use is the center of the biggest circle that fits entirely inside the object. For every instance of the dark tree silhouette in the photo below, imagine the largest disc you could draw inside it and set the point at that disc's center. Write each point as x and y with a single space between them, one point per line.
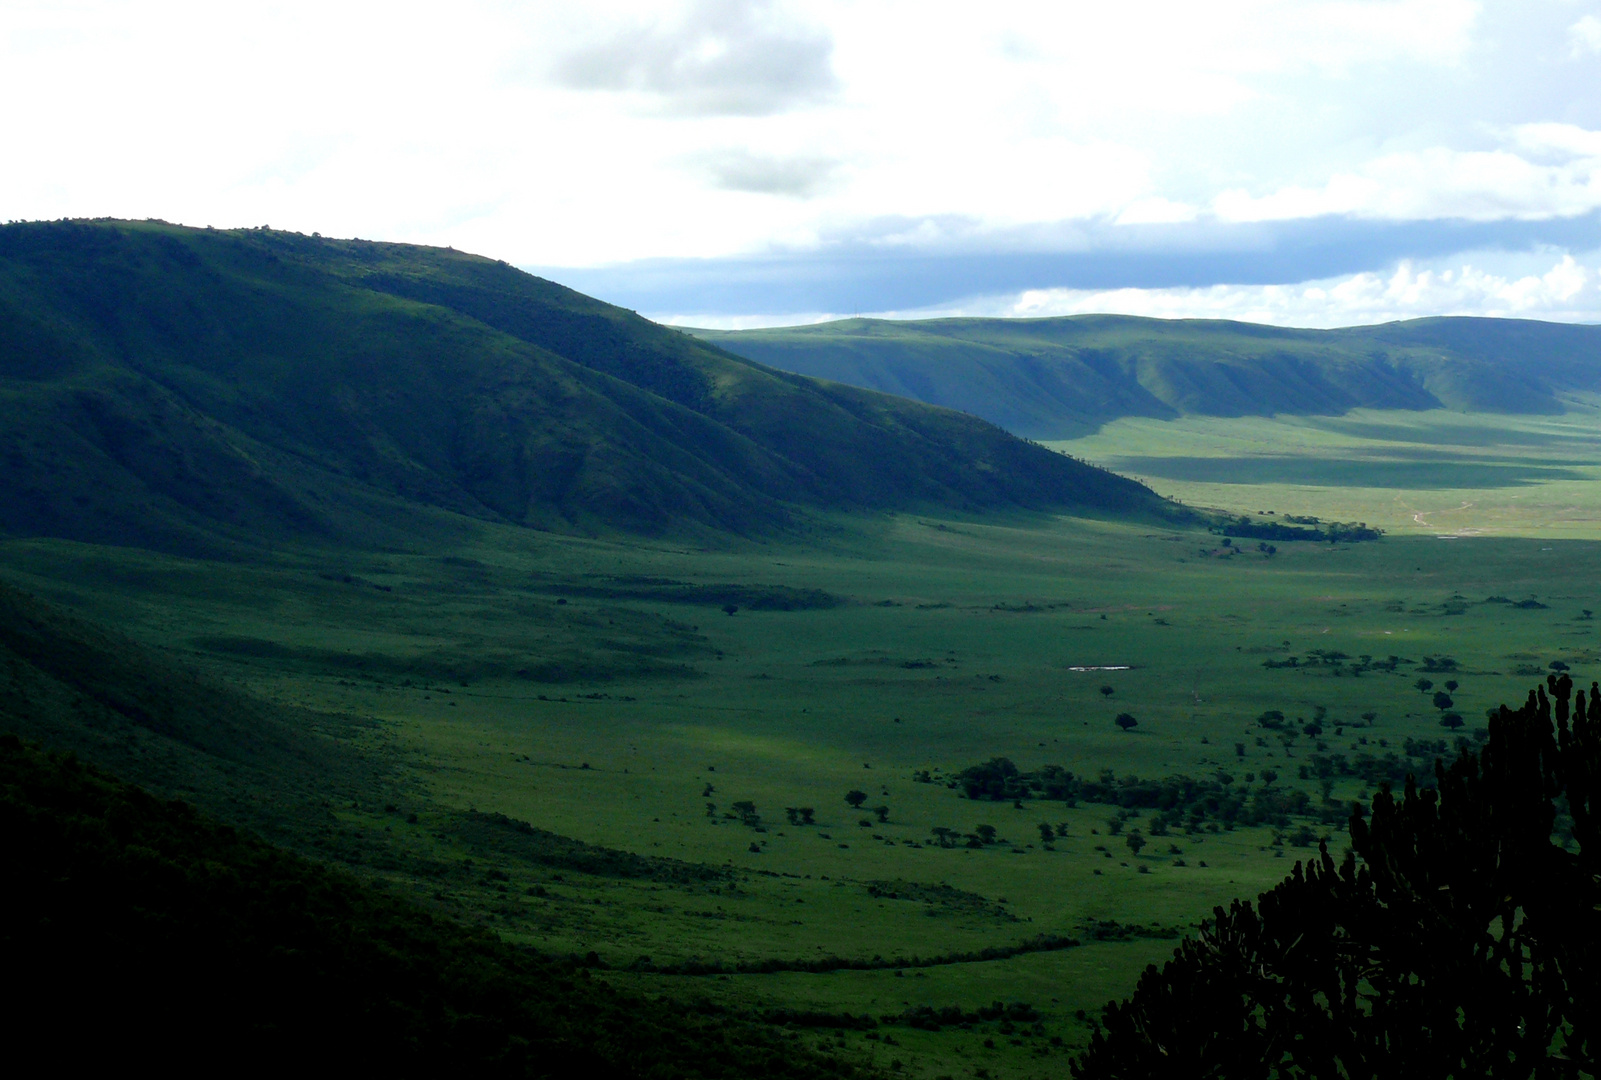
1455 939
1135 841
1125 721
1442 700
1424 686
855 798
1107 691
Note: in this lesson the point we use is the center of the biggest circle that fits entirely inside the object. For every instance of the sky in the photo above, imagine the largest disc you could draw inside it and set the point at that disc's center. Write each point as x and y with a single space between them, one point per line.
761 162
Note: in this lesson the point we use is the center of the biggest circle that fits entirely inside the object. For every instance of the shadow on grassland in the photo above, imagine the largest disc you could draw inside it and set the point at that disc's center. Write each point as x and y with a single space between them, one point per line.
1287 469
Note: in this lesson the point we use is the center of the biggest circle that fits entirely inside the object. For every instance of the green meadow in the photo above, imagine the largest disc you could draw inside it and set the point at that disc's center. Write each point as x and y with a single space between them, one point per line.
1436 472
602 691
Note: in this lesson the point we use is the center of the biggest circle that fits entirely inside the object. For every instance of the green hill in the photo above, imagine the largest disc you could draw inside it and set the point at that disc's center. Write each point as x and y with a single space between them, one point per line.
187 389
1057 378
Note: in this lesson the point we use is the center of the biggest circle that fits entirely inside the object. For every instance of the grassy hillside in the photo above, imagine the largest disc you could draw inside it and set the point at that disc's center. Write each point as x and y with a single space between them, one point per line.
181 941
192 389
1058 378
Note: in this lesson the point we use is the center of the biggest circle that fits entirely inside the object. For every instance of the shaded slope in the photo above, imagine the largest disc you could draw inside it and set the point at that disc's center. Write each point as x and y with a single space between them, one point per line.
1050 378
853 449
184 388
76 686
148 934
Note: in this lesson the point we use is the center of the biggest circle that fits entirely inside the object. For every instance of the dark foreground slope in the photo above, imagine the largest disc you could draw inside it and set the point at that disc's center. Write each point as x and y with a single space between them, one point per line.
1055 378
181 388
150 925
75 686
142 933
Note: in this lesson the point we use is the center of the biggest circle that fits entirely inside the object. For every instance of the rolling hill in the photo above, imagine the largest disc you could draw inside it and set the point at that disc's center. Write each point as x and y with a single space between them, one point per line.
190 389
1058 378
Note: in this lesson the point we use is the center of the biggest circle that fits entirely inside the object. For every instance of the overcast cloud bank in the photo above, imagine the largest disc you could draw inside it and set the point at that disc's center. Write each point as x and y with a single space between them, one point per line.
770 158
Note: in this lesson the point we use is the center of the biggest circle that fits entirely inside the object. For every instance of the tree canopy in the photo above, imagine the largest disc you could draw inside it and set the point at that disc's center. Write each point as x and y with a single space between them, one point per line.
1455 938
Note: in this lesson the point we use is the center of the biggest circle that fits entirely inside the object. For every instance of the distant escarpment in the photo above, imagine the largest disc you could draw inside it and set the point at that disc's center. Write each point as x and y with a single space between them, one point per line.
1058 378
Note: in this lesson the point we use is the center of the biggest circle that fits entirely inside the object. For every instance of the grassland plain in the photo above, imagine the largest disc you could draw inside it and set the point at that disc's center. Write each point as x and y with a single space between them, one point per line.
1435 472
597 689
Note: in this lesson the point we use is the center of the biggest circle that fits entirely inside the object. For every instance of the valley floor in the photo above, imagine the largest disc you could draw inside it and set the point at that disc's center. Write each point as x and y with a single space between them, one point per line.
600 691
1437 473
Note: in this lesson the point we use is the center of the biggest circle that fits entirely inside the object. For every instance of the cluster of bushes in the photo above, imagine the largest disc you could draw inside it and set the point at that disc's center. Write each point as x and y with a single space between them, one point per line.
664 590
928 1018
1112 930
1416 758
1340 663
1182 802
1332 531
820 965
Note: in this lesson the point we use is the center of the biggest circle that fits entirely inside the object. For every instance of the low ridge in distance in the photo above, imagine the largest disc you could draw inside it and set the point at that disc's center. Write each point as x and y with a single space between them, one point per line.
1060 378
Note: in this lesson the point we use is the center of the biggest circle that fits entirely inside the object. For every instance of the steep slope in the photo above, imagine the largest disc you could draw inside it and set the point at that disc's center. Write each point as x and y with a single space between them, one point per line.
1048 378
185 388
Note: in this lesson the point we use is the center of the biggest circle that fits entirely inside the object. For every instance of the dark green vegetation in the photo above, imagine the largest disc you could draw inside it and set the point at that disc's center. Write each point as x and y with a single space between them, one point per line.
189 390
1059 378
141 931
1465 942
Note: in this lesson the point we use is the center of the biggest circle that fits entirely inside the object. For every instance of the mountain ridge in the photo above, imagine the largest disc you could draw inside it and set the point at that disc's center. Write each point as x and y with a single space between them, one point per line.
1061 377
192 389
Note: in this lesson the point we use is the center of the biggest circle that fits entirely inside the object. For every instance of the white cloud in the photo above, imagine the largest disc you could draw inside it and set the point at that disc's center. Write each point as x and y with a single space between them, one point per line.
740 169
1434 183
1155 210
581 135
1584 36
718 57
1562 288
1567 290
